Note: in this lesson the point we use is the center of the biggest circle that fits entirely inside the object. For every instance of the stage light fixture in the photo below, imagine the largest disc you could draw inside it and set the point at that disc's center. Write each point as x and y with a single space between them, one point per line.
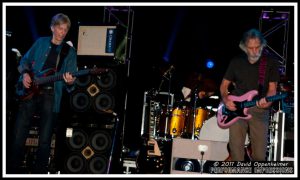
209 63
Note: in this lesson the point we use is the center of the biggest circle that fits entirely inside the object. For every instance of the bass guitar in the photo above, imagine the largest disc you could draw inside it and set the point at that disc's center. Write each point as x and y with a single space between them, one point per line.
44 77
226 117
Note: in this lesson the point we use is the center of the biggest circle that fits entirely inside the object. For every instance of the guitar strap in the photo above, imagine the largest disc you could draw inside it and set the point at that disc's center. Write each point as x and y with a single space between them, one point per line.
62 55
262 72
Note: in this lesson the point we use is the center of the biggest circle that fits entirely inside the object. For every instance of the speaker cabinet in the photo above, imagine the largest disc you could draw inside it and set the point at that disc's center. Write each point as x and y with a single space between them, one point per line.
186 157
87 150
94 111
84 148
102 93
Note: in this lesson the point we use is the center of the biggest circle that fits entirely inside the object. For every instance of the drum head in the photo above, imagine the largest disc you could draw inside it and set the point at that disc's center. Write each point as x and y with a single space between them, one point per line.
211 131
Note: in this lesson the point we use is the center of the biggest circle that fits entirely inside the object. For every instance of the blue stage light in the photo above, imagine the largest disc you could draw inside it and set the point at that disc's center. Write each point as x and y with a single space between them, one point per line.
210 63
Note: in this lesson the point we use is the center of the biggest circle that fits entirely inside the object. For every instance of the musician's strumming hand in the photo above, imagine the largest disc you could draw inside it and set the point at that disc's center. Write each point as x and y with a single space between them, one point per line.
69 79
26 80
229 104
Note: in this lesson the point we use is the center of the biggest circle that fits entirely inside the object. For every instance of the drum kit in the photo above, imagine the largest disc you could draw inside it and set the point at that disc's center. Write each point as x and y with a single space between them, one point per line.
176 119
187 122
167 118
163 120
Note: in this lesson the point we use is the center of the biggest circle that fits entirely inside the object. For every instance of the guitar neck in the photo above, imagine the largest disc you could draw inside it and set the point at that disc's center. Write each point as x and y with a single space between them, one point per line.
269 99
59 77
151 131
154 108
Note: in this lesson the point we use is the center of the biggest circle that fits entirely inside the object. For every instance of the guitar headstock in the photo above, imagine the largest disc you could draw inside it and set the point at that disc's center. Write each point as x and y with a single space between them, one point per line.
96 70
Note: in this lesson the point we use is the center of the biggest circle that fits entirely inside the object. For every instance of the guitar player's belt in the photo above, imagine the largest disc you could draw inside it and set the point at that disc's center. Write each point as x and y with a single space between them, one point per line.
47 90
48 87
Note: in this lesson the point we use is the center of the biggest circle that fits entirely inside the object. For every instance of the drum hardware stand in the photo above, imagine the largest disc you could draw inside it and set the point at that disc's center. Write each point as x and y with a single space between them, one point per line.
168 107
194 114
169 78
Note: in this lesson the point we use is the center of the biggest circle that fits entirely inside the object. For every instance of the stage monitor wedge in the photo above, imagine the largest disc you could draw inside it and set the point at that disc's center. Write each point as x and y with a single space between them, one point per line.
97 40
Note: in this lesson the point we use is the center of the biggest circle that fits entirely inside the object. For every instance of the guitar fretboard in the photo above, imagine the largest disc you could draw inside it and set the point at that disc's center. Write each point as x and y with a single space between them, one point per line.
269 99
59 77
154 107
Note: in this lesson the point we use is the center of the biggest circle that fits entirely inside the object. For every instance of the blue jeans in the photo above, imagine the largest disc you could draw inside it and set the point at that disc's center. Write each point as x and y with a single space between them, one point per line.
43 106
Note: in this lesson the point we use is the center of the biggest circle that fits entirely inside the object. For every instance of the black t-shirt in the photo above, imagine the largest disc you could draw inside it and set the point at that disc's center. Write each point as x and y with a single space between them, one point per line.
52 58
245 75
50 64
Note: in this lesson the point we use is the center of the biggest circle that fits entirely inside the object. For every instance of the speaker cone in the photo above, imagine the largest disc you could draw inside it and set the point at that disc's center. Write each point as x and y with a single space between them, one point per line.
83 81
100 141
97 165
104 101
80 101
107 80
75 163
190 165
78 140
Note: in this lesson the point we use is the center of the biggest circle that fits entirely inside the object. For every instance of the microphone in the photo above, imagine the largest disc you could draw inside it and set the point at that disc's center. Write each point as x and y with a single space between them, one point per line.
169 71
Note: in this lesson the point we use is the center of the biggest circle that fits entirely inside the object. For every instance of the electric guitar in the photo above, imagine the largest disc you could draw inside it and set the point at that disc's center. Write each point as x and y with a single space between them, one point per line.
151 158
226 117
44 77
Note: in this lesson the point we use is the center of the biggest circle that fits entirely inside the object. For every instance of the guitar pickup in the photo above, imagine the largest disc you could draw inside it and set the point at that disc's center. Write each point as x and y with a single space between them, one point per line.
151 148
151 151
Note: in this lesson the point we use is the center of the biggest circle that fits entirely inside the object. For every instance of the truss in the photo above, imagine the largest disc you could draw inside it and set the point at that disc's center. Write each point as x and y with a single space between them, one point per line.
275 27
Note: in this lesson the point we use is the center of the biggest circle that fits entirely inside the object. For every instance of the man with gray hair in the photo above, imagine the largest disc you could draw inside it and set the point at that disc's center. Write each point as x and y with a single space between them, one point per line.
253 71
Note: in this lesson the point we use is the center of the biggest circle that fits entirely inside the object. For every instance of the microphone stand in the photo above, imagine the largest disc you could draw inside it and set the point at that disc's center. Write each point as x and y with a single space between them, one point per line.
168 102
168 107
194 112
